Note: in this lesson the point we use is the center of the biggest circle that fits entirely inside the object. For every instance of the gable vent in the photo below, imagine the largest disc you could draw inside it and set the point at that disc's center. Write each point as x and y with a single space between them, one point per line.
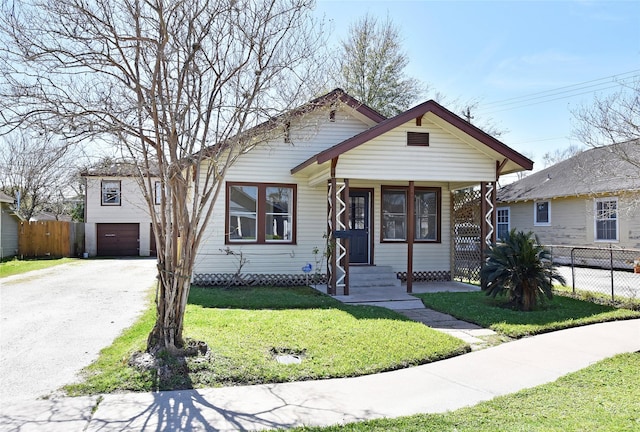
417 138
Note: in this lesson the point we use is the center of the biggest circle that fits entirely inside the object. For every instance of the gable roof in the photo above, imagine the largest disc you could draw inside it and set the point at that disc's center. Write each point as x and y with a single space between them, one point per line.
594 171
414 113
333 96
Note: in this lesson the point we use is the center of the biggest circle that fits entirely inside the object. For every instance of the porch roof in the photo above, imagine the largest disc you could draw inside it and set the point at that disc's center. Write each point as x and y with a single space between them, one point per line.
508 159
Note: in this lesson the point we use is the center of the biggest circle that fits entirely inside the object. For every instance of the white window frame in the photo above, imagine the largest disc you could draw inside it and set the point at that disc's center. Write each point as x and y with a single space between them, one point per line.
535 213
498 223
110 188
596 220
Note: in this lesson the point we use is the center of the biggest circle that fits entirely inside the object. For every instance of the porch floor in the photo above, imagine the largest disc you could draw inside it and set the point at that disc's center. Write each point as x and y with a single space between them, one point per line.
397 298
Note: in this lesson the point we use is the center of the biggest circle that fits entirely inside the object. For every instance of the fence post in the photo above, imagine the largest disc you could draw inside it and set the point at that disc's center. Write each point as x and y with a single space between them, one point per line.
611 266
573 271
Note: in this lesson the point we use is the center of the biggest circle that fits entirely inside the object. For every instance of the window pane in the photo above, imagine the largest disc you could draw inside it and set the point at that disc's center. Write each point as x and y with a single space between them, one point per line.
426 208
111 193
542 212
394 201
502 224
606 220
242 212
278 227
394 215
357 212
278 199
606 230
278 217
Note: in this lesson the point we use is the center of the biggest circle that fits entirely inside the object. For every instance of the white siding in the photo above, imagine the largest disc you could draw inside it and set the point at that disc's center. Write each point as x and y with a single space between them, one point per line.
387 157
8 232
132 209
272 163
572 222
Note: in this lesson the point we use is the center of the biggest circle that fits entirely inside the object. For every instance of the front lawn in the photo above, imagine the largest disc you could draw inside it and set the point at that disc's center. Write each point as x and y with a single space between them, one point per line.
15 266
559 313
247 328
601 397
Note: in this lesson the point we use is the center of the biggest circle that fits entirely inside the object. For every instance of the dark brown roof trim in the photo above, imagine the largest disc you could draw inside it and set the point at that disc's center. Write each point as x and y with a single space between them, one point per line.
413 113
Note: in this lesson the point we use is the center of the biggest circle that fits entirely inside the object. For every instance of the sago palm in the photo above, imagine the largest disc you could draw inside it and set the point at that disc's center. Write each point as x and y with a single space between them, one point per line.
521 268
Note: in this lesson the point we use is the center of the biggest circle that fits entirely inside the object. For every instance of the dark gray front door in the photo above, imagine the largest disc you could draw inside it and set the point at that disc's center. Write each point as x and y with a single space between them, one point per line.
359 221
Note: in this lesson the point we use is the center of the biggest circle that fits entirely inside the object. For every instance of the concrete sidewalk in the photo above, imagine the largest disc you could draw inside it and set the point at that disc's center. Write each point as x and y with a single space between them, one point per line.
436 387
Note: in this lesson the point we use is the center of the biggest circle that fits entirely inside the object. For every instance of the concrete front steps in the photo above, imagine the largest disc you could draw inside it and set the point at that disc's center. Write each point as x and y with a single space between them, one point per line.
377 286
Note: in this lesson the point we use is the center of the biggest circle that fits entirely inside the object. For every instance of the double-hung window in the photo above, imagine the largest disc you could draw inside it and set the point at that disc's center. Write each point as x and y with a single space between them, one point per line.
260 213
502 222
606 219
110 192
542 213
426 214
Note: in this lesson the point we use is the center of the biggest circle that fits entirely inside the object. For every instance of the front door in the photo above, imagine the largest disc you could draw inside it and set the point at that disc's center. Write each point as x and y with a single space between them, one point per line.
359 221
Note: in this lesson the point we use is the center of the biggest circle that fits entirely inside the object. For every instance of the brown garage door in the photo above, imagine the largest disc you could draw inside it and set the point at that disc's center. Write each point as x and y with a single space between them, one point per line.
118 239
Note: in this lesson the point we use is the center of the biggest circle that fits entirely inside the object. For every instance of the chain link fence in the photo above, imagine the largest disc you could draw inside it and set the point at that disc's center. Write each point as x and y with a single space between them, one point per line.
610 271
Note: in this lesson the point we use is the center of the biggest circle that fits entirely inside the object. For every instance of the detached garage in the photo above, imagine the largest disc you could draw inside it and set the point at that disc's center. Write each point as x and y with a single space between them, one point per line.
118 239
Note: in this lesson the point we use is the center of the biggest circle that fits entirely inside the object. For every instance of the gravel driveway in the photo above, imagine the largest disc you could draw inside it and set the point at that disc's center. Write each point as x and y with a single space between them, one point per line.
54 322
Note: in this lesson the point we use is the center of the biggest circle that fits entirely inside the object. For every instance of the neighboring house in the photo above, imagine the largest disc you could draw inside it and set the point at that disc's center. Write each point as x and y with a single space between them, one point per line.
590 199
116 213
9 224
49 216
342 169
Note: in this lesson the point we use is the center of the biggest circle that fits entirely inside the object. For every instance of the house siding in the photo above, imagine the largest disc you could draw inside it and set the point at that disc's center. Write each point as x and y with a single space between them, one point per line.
447 158
132 209
271 163
8 233
572 222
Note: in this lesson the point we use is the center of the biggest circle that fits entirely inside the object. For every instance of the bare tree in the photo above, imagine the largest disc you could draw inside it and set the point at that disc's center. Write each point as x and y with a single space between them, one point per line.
179 86
611 119
372 67
558 155
34 170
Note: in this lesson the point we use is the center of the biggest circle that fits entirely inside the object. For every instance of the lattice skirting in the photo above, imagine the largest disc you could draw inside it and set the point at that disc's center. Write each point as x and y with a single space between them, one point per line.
230 279
427 276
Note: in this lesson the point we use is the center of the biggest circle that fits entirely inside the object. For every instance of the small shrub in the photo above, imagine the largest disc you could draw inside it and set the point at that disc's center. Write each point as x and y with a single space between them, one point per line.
520 268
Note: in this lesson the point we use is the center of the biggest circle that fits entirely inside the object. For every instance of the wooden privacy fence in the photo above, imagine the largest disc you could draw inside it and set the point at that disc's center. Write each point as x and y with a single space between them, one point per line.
50 239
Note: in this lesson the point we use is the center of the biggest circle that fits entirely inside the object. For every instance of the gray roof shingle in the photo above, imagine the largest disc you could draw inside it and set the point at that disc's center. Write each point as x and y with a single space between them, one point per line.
607 169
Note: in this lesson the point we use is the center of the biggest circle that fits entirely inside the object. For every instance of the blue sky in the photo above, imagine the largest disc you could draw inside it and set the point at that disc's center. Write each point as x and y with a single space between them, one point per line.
528 62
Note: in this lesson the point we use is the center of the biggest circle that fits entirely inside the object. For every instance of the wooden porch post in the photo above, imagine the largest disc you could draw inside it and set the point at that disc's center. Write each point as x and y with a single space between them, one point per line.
346 240
334 224
488 218
410 234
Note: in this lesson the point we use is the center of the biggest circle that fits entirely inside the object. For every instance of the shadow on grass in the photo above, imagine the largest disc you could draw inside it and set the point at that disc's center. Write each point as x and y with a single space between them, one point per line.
280 298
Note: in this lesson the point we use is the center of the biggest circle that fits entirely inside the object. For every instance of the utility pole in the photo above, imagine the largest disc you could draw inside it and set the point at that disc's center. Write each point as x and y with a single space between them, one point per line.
467 115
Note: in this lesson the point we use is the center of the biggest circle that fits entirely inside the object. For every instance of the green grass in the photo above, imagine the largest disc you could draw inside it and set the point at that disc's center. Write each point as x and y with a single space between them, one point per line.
16 266
245 328
559 313
601 397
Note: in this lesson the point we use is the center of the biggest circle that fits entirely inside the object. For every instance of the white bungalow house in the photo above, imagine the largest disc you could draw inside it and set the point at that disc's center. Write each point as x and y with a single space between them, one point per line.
382 189
116 213
9 227
591 199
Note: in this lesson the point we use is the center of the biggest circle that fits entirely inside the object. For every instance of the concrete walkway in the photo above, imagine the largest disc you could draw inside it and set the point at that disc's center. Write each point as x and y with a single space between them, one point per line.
437 387
397 298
